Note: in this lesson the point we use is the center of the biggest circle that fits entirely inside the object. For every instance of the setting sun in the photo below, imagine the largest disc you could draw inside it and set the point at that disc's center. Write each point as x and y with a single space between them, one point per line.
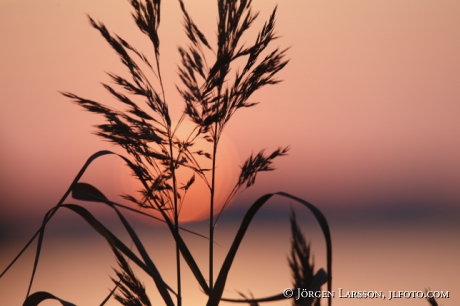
195 204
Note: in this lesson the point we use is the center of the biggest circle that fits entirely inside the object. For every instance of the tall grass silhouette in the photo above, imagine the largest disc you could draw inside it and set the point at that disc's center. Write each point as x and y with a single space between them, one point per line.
213 88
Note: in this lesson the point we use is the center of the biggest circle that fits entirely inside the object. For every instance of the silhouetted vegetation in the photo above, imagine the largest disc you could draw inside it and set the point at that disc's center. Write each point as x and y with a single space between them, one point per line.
213 89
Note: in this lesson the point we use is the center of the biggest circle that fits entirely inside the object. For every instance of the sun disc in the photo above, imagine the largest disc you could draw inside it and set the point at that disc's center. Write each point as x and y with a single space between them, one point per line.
195 203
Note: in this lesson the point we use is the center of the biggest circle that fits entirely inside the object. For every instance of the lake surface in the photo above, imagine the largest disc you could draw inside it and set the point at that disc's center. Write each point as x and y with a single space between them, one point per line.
76 265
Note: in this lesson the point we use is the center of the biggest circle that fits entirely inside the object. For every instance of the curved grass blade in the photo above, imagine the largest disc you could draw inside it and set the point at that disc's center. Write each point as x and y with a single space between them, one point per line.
140 247
40 296
318 280
51 212
272 298
87 192
216 294
39 246
20 253
150 269
182 246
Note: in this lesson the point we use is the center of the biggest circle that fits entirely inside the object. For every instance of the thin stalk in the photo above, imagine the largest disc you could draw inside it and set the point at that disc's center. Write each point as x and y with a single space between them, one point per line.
173 171
211 210
176 220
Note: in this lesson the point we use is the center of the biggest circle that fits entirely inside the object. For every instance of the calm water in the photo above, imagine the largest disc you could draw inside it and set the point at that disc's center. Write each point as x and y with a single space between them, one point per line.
77 266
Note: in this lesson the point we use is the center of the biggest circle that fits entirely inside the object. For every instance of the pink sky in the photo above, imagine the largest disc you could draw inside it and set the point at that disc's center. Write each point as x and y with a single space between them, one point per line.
369 104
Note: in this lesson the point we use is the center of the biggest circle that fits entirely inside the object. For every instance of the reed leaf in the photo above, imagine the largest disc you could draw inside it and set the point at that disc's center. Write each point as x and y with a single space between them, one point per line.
48 216
216 293
87 192
84 213
182 246
36 298
91 194
114 242
139 246
319 279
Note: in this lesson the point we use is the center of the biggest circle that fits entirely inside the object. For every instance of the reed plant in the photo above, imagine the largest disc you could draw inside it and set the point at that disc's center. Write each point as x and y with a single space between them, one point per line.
214 86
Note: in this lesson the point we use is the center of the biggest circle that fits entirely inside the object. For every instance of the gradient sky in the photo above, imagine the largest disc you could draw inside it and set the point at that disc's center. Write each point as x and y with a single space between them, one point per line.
370 104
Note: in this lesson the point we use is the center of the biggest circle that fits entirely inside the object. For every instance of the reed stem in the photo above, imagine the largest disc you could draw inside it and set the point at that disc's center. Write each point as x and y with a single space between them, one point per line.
211 210
176 221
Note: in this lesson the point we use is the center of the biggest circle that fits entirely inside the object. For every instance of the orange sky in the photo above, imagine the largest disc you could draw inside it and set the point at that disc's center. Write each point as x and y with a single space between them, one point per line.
369 104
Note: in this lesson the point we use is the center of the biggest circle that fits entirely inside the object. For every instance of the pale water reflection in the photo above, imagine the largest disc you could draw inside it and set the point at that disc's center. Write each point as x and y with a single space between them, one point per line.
367 258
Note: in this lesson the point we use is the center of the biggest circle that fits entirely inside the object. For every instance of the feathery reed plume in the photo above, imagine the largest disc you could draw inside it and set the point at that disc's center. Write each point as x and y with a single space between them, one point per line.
130 291
251 167
301 264
211 99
